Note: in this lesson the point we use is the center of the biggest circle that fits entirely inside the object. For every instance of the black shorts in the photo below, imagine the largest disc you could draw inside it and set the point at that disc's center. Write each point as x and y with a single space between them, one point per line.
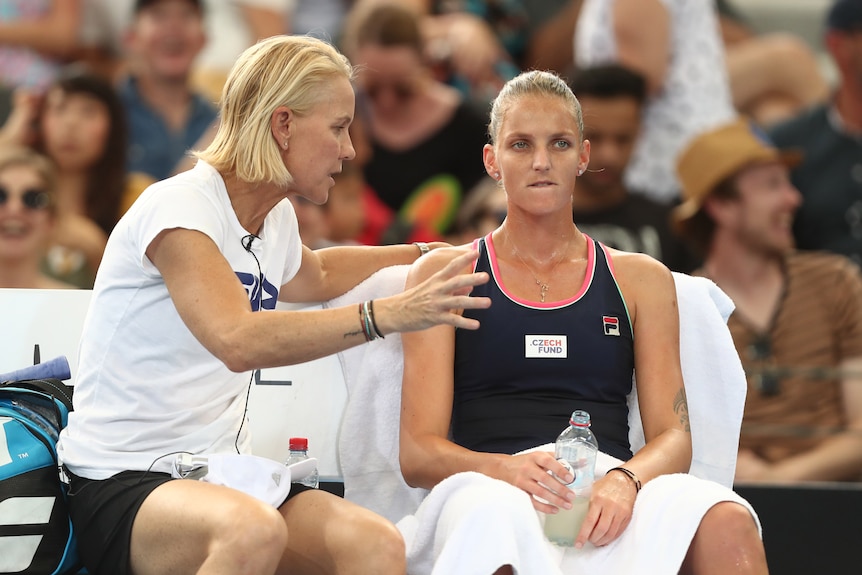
103 512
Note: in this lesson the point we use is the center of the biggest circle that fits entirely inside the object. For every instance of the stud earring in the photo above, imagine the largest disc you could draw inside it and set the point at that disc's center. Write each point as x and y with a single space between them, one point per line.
285 144
496 175
581 172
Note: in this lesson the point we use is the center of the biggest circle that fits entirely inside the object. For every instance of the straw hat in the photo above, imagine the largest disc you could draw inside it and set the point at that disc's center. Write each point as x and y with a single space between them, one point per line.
716 155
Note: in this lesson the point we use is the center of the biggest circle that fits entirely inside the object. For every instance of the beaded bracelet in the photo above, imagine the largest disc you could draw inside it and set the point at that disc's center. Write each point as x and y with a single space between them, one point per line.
631 476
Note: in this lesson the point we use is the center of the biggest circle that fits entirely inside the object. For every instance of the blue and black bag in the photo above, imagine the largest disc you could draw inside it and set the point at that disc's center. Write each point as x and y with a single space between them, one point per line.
36 535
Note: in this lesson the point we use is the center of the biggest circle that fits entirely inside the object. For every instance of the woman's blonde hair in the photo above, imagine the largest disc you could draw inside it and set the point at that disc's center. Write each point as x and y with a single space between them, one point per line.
13 155
534 82
286 71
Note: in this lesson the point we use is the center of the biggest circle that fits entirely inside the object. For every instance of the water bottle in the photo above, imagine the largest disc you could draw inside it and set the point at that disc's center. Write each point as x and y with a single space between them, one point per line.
576 448
298 452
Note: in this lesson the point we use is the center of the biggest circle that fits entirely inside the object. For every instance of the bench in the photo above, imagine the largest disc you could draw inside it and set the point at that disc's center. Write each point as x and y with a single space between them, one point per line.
302 400
309 400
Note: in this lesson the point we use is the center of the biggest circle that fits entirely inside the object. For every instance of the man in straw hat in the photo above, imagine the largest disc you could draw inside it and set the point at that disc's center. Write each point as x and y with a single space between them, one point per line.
798 319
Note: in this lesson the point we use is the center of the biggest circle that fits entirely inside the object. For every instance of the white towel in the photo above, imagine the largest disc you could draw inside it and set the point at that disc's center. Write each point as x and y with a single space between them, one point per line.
714 380
667 512
368 450
715 375
368 439
472 524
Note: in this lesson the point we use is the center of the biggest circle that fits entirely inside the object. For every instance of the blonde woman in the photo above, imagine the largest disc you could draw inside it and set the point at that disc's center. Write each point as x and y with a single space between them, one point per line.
183 312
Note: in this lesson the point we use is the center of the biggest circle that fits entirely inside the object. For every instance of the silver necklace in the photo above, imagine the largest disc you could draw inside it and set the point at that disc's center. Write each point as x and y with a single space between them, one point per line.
543 286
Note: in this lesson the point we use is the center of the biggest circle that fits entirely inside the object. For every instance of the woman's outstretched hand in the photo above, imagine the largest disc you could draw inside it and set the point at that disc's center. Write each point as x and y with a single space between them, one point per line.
437 300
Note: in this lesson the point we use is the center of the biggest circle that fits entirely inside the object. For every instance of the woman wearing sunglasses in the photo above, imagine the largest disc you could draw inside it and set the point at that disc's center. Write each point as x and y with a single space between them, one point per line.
27 218
424 133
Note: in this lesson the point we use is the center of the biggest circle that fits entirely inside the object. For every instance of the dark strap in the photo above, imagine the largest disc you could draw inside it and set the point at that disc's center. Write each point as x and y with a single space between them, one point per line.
53 387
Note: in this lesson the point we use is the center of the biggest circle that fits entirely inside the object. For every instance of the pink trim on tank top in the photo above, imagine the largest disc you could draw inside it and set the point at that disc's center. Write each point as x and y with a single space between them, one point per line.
588 278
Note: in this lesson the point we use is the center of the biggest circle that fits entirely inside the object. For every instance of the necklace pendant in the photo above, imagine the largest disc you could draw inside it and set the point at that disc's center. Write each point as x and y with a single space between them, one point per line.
544 288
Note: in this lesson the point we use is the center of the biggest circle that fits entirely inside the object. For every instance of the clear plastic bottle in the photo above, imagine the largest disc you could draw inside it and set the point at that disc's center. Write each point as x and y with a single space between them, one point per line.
575 447
298 452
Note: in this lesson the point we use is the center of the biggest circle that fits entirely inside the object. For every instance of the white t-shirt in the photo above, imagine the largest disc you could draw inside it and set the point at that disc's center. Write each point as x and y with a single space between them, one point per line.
146 387
696 93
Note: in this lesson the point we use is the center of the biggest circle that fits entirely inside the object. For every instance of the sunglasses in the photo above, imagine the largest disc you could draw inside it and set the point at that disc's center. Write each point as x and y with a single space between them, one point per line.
765 380
402 91
33 199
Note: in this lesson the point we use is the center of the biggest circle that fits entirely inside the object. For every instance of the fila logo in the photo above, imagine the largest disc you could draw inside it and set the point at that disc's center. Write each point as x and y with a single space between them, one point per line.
17 552
611 325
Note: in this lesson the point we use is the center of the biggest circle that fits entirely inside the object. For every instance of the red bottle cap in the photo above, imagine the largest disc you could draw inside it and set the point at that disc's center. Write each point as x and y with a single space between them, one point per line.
298 444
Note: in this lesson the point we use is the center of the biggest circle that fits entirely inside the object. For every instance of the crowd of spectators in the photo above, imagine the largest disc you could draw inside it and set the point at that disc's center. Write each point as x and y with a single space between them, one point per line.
100 98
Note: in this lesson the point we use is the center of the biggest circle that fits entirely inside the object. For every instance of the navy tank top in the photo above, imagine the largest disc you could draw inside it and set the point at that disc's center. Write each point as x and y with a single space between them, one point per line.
529 365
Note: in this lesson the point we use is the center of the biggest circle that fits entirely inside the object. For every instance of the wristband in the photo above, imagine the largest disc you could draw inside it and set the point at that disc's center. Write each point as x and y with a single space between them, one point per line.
423 248
631 476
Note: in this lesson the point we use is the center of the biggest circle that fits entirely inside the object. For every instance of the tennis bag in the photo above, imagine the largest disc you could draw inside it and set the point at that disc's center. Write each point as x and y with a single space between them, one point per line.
36 535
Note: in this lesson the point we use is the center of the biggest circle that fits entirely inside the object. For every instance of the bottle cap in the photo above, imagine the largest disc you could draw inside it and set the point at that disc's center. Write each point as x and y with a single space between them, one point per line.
580 418
298 444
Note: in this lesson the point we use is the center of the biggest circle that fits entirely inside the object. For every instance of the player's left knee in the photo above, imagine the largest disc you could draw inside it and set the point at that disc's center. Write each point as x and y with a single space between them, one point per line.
729 519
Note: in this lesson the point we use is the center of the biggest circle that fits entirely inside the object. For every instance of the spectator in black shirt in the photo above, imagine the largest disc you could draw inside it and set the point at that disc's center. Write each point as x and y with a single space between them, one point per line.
612 97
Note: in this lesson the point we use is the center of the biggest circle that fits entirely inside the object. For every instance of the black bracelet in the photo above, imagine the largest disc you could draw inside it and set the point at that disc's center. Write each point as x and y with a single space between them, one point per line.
631 475
377 331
